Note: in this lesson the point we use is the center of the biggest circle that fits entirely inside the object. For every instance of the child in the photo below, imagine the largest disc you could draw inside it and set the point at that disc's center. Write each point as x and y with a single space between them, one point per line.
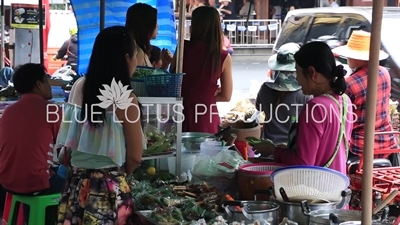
155 57
227 43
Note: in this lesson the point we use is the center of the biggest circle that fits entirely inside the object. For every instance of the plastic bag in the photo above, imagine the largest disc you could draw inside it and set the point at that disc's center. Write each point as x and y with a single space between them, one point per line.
225 163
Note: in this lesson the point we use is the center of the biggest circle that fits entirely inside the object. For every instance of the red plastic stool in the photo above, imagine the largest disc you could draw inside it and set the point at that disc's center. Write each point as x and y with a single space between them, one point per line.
6 212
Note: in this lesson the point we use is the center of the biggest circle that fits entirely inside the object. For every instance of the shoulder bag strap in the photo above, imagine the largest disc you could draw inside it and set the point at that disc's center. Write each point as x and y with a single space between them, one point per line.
342 131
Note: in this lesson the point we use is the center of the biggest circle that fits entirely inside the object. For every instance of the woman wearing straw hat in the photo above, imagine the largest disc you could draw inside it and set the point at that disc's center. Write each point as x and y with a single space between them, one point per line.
281 99
357 53
320 135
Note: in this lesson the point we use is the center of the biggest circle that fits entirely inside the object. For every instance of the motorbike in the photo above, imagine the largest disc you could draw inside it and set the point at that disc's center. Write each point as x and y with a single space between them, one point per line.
385 176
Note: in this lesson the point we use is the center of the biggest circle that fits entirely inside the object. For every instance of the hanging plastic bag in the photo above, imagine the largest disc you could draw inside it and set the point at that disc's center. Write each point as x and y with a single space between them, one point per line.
224 164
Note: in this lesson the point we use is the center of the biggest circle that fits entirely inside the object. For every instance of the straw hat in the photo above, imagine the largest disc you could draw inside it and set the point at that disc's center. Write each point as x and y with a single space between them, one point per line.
358 47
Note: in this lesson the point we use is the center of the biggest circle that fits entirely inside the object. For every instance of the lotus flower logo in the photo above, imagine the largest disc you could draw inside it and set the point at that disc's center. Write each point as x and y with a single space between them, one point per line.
116 95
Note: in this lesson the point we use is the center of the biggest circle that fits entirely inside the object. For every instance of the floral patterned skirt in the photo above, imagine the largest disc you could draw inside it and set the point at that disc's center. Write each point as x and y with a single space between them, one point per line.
96 197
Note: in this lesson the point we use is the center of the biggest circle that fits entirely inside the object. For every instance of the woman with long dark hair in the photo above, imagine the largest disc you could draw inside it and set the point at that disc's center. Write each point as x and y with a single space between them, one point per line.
205 62
102 128
141 21
321 135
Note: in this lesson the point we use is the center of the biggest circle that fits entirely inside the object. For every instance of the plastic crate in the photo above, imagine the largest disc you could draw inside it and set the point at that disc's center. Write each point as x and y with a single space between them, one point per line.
164 85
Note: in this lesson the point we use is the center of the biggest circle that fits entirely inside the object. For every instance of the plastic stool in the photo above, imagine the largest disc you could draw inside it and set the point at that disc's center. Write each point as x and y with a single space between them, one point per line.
7 207
37 207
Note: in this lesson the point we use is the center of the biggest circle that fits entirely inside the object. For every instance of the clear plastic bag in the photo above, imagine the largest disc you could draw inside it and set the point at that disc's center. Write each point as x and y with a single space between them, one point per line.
225 163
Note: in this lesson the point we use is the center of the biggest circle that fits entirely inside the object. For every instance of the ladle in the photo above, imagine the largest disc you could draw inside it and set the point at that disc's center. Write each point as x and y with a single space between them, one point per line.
283 194
385 202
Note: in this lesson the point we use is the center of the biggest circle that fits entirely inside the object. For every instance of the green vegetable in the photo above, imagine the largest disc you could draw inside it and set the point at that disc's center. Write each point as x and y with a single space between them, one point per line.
161 143
177 214
255 141
143 71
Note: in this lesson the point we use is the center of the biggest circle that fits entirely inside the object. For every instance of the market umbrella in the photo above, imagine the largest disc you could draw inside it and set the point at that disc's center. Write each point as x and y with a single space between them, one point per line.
372 88
113 12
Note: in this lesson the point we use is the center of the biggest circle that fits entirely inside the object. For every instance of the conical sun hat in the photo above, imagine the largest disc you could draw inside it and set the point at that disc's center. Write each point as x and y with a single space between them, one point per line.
358 47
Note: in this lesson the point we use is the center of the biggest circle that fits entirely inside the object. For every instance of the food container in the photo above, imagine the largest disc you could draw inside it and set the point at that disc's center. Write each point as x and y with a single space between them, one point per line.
187 162
251 211
336 216
212 148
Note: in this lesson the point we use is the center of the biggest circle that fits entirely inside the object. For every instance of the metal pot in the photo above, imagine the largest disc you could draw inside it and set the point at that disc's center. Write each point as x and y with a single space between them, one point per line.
192 140
251 211
336 216
294 211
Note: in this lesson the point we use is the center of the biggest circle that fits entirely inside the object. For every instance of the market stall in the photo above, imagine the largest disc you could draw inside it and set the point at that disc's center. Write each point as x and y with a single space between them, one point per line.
224 186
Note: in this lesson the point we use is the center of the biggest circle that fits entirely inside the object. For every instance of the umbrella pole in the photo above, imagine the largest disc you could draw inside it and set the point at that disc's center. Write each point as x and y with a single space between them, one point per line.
102 14
372 89
41 43
2 36
181 36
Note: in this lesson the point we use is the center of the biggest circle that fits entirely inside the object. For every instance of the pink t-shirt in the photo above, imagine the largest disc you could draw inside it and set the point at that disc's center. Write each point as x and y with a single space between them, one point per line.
317 134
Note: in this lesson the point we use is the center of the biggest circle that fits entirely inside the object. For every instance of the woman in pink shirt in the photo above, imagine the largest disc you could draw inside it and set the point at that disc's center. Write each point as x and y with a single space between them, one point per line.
319 137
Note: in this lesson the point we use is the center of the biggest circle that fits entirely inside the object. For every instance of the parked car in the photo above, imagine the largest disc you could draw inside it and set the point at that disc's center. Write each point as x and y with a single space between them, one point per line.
305 25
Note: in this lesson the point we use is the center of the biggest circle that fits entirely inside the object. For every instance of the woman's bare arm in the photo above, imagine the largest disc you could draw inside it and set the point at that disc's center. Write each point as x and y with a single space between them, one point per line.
140 58
226 81
133 134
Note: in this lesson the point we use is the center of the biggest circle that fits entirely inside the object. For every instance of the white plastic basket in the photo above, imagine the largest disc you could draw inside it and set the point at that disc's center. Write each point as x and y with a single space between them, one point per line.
309 182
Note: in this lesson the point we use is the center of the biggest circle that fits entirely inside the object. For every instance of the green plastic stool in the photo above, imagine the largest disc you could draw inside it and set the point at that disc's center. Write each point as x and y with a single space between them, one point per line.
37 207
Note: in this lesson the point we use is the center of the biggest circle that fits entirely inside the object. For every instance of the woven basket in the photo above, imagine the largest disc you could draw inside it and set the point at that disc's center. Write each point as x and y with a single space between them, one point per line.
164 85
139 87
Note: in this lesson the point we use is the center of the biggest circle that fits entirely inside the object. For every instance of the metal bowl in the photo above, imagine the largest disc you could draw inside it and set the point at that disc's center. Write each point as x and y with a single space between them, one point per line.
192 140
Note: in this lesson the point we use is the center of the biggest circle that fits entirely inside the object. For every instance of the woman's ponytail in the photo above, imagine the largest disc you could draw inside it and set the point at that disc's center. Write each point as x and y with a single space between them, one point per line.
338 83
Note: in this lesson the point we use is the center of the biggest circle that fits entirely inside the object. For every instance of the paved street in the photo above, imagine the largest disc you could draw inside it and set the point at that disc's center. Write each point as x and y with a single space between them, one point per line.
249 73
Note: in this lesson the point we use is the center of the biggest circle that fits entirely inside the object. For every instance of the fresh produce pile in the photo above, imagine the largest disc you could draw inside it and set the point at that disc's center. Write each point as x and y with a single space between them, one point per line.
176 203
158 143
244 110
142 71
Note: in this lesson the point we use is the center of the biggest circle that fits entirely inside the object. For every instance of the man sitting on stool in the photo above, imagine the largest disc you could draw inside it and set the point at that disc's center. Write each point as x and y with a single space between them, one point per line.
27 132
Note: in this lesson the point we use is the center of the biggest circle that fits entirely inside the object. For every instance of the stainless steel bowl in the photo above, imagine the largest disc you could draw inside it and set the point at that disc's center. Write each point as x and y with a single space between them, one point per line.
192 140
